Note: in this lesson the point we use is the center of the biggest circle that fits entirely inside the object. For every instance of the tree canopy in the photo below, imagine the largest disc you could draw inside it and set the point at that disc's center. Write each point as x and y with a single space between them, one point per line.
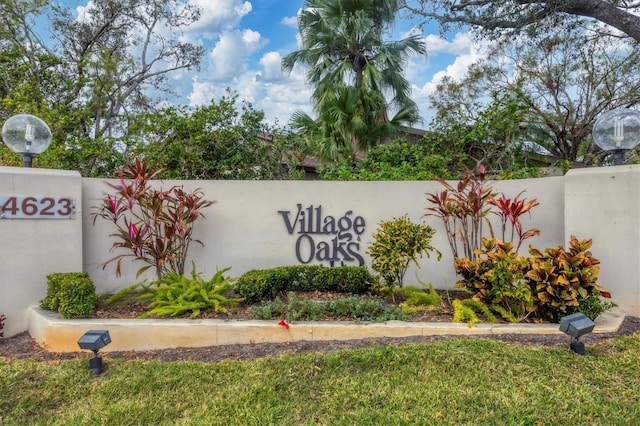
220 140
561 84
509 17
93 74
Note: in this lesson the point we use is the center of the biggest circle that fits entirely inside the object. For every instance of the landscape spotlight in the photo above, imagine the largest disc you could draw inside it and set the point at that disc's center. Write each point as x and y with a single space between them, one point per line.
576 325
94 340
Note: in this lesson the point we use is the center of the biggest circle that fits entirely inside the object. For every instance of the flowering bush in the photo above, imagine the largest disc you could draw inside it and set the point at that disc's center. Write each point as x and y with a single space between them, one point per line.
153 225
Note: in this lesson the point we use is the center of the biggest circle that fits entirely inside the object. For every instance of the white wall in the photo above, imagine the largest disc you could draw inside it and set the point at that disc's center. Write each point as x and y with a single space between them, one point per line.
30 249
243 229
604 204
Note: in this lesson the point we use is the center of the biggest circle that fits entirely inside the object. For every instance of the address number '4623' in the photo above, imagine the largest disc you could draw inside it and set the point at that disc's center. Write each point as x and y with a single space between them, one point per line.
36 207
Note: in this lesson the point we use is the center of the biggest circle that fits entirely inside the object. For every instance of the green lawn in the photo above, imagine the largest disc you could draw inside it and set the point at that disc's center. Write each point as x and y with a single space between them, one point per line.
479 382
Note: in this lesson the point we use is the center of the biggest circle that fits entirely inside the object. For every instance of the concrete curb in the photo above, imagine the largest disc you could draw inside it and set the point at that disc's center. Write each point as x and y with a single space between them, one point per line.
57 334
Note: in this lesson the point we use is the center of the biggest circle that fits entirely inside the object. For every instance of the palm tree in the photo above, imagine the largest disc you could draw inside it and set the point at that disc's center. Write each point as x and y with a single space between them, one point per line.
350 121
343 47
342 43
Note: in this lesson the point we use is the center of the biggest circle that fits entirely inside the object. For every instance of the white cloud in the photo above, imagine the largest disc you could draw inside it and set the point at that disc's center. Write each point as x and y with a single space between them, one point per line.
278 100
461 44
468 52
229 56
290 21
271 66
219 15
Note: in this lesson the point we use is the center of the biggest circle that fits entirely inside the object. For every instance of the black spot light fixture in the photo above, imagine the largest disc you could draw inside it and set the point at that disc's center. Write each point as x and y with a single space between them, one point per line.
94 340
576 325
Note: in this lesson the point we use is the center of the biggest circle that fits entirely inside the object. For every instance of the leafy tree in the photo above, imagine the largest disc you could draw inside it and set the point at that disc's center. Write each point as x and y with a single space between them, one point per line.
94 75
568 83
216 141
509 17
351 68
474 127
397 160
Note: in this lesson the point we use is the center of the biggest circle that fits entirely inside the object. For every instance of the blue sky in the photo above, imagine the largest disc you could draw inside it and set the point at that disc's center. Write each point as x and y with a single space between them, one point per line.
245 41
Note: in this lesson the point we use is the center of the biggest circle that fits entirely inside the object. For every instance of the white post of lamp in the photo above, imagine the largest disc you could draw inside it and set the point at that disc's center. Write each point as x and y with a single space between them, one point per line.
26 135
617 130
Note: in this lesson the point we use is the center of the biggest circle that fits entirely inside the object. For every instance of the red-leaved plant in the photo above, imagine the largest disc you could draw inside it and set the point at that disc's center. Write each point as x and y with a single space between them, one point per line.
2 318
465 209
509 211
153 225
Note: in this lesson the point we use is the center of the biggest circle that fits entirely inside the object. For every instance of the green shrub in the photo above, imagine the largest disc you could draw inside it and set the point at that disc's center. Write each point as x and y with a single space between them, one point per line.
175 294
398 243
561 278
266 284
348 308
419 299
54 281
592 306
78 299
71 294
548 285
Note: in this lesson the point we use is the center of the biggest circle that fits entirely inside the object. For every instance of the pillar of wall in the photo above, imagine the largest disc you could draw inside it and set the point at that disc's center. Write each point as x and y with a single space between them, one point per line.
603 204
40 233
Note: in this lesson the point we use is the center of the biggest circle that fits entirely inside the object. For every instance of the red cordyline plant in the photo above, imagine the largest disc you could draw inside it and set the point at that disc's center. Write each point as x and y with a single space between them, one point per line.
154 225
509 211
465 210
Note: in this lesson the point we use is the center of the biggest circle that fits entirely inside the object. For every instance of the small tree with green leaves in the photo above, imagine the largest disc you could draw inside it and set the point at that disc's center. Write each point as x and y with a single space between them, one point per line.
397 243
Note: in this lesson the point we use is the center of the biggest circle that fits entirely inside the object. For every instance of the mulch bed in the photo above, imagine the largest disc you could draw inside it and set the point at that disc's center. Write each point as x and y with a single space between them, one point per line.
22 346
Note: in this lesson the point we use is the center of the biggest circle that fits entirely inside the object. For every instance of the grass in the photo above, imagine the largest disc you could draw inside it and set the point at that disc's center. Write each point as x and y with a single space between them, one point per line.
456 382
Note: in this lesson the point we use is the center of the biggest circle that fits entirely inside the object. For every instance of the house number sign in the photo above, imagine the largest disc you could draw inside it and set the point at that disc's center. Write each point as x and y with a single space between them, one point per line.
36 207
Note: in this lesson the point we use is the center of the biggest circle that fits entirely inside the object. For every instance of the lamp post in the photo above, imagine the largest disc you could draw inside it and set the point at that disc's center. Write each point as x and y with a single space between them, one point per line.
617 130
26 135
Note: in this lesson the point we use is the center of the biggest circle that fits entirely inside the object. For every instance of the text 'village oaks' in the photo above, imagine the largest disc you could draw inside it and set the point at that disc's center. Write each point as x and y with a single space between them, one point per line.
311 226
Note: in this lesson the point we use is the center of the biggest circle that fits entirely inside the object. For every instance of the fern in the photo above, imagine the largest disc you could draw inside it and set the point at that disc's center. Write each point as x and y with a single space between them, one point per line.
174 294
468 309
121 294
462 312
419 300
504 313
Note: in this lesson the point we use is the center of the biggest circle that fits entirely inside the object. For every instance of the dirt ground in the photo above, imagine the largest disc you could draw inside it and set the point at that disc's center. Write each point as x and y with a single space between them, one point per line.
22 346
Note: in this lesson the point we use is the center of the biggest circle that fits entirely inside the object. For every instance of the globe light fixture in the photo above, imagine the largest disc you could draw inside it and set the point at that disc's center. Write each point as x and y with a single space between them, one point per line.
617 130
26 135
